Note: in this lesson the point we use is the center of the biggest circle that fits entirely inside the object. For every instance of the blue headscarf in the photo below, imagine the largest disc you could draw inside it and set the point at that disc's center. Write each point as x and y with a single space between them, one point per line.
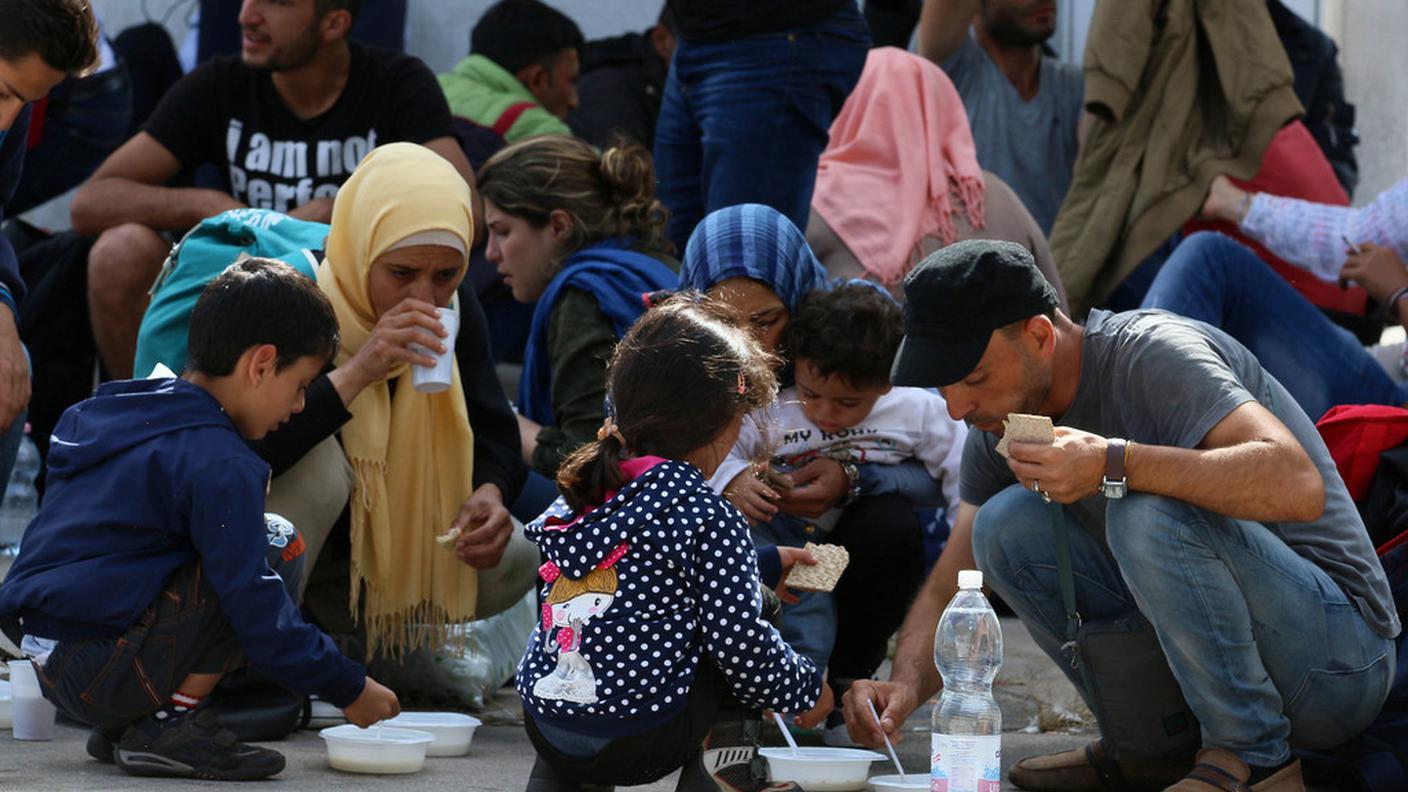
752 241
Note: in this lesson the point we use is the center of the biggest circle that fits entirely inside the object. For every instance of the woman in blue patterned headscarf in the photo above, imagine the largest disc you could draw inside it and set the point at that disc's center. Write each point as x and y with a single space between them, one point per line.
753 258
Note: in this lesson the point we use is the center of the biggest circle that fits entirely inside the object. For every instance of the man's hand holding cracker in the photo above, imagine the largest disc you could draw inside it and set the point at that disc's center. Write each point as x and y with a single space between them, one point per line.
1060 464
1069 469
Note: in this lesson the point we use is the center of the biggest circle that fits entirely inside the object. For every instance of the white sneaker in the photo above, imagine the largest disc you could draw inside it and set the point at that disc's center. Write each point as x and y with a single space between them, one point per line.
323 714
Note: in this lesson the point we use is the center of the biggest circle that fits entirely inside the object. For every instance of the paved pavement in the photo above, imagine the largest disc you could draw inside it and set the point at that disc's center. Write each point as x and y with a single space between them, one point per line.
1032 692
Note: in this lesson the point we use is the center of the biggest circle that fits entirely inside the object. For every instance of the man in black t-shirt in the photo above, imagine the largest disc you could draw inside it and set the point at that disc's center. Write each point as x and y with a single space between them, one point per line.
284 124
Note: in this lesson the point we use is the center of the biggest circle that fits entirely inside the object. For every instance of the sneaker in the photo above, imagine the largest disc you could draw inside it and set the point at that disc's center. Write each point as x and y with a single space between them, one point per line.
100 744
194 747
322 714
729 762
835 733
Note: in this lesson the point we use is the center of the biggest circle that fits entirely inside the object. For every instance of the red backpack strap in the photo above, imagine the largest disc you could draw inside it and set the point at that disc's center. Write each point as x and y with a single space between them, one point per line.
510 117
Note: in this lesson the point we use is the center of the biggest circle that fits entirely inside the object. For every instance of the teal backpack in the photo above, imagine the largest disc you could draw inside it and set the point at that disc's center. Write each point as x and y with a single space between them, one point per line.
203 253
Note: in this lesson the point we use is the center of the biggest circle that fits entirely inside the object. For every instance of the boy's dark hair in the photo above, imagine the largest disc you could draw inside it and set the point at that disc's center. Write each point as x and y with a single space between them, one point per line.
683 371
519 33
260 301
853 330
62 32
324 7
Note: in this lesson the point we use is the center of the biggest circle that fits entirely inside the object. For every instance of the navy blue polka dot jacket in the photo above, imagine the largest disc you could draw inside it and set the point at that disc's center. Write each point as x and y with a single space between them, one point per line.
637 592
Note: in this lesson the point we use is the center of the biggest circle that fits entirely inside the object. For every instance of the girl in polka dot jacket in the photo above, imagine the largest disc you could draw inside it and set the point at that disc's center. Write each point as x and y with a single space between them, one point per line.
652 652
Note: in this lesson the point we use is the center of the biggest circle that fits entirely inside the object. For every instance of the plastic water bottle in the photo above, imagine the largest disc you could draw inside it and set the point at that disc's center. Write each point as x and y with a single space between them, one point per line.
966 732
21 498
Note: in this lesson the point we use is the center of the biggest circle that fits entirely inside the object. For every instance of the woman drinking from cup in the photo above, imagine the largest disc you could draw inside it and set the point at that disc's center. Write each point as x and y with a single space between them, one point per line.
425 460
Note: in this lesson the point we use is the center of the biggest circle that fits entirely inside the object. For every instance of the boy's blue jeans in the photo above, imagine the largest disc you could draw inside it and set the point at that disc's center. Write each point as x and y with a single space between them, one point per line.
1268 650
109 683
1214 279
745 120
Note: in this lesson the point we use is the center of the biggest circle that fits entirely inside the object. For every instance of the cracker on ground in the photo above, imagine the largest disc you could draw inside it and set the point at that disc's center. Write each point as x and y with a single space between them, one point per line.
447 539
831 561
1023 428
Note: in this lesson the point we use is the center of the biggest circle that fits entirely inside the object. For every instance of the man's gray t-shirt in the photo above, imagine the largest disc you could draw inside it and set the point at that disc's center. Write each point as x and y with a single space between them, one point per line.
1156 378
1030 145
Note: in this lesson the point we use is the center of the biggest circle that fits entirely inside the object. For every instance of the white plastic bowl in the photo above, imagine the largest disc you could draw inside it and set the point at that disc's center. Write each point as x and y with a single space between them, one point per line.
452 730
379 749
821 769
900 783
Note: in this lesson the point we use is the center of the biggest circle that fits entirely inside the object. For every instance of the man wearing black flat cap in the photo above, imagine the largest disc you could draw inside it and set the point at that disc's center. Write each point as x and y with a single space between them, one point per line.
1198 496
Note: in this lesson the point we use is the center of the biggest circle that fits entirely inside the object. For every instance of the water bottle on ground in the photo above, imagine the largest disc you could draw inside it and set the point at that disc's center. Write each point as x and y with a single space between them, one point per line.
966 732
21 498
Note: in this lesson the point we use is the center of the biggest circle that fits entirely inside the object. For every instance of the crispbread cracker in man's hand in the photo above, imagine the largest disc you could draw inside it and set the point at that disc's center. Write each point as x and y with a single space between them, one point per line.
1023 428
831 561
447 539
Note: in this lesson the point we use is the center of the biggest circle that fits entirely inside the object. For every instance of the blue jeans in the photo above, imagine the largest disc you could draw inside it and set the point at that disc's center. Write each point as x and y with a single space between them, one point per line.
1268 650
808 625
744 121
1213 279
537 495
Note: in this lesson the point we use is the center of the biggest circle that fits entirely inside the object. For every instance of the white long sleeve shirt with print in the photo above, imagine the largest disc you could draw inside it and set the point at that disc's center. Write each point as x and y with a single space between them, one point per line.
906 423
1311 235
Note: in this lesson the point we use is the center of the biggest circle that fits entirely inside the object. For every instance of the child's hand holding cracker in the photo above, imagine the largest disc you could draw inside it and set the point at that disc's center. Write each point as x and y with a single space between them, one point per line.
790 557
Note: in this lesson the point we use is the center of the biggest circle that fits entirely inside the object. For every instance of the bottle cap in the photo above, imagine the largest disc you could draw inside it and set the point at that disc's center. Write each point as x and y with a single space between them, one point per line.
970 579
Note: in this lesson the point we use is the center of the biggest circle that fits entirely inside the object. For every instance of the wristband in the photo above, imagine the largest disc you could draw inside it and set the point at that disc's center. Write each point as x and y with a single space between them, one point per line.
852 482
1243 207
1387 309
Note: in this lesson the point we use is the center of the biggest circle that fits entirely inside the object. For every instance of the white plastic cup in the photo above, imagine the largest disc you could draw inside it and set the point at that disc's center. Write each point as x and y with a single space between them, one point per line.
33 715
433 379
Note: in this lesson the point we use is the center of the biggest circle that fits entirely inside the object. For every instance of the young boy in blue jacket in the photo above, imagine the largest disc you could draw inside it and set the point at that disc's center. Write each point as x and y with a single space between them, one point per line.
143 578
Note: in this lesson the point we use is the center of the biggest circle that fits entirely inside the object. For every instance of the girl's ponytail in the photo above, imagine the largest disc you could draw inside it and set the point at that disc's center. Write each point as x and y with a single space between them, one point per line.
594 469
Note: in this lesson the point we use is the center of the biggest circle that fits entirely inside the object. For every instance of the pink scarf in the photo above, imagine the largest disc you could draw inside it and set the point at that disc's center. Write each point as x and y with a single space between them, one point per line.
900 164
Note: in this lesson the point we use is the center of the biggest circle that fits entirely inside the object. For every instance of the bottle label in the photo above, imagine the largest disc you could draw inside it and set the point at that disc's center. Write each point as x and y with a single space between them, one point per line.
964 763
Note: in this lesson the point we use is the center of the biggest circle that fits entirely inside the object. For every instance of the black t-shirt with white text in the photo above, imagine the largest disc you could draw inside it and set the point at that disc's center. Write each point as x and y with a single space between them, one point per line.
229 115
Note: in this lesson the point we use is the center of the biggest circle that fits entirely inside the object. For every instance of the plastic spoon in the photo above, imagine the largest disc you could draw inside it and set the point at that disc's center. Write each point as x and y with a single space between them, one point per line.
786 735
894 757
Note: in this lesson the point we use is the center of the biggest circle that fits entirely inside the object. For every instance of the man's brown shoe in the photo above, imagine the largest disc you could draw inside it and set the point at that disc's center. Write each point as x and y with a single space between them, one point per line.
1088 769
1220 770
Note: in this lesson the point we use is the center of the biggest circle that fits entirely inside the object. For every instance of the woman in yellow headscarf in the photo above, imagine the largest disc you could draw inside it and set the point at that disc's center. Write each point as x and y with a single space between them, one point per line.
401 230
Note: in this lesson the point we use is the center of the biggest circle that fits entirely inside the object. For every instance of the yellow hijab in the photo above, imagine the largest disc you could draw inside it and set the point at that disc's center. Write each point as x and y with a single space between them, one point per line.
413 453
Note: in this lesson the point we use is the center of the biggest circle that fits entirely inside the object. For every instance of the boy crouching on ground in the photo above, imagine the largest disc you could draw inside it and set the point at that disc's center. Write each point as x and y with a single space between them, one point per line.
143 578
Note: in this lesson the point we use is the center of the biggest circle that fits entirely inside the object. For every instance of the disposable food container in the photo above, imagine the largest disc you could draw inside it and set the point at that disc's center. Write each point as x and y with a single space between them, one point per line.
821 769
452 730
383 750
899 783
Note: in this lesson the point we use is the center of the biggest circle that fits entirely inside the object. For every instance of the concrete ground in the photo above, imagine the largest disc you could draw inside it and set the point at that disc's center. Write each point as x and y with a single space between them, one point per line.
1031 690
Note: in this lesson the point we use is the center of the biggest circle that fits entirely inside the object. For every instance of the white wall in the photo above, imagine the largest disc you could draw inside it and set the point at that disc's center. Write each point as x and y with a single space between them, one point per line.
1374 61
437 30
